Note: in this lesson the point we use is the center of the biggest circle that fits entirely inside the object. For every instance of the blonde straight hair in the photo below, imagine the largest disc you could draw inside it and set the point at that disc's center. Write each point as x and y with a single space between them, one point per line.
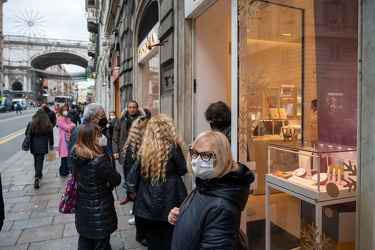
220 146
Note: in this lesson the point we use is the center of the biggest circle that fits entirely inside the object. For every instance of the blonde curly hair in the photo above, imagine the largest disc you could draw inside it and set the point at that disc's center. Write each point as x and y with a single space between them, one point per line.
155 151
136 133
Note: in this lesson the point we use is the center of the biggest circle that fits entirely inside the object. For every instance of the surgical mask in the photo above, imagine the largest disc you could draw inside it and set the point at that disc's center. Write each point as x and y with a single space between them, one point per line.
202 169
103 122
112 117
103 141
65 113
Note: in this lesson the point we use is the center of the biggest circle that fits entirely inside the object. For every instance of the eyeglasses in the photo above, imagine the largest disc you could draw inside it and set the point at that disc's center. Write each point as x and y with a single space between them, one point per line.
142 118
205 156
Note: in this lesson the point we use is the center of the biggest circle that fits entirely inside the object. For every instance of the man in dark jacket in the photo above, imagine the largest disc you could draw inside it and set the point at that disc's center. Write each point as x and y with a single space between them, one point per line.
50 113
122 128
94 113
73 115
218 114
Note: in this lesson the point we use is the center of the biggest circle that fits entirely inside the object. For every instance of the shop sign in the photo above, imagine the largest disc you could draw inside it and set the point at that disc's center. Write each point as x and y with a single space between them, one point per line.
193 8
147 45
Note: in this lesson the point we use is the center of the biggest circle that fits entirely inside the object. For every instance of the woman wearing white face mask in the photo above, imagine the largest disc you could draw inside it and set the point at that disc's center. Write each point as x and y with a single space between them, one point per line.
66 126
95 216
210 217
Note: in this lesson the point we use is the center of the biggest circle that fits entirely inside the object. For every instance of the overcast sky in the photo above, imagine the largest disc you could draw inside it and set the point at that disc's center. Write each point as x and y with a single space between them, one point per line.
63 19
60 19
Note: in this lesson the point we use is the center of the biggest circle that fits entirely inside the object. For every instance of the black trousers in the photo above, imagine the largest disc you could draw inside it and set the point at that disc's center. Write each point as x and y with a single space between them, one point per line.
141 228
159 235
38 164
93 244
64 170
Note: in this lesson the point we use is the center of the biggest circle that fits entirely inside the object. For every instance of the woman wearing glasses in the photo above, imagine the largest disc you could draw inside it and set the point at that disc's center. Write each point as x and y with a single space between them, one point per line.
210 218
95 177
161 187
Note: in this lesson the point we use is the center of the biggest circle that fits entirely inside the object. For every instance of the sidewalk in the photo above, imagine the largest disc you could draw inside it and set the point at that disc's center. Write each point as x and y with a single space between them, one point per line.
32 219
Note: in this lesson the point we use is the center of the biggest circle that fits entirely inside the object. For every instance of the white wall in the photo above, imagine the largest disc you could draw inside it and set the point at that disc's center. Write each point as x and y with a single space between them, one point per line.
211 60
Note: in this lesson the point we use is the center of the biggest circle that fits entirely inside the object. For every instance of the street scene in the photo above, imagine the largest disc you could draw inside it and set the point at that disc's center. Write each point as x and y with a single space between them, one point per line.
181 124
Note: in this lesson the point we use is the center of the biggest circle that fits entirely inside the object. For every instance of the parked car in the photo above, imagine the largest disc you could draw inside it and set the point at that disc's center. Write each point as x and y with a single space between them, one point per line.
6 104
21 101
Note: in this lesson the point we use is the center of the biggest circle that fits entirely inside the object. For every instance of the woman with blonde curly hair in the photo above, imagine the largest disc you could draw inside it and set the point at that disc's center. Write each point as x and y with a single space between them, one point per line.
161 188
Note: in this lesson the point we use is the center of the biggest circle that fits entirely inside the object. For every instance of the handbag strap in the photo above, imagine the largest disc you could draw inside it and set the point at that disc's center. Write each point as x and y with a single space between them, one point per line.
187 197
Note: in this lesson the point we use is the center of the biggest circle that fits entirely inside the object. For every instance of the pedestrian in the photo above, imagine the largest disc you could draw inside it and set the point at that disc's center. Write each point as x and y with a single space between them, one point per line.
57 108
2 212
122 128
218 114
210 217
161 187
73 115
109 132
131 146
94 114
66 127
50 113
95 215
41 136
18 108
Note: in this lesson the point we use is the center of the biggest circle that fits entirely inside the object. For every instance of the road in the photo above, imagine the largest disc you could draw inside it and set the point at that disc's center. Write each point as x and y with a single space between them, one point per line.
12 131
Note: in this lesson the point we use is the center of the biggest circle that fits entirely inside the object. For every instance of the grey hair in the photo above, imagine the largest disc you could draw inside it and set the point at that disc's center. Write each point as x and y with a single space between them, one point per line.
92 110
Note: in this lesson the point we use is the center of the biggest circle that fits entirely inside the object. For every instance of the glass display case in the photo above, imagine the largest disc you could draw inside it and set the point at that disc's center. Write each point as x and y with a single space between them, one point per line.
323 172
322 176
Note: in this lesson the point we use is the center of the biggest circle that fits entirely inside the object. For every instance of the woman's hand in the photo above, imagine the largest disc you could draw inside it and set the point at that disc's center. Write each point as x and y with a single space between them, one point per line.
173 215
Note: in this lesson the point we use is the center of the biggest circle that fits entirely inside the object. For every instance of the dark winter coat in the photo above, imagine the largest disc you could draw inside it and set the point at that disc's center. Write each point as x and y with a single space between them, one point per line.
51 115
74 116
210 218
95 216
39 141
154 202
2 213
121 131
128 160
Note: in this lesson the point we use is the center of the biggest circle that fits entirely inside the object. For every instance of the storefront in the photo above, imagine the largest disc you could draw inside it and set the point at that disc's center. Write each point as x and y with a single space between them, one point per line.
148 58
288 53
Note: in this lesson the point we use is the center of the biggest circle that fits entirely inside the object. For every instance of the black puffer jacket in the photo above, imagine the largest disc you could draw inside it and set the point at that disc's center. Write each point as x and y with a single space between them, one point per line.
154 202
128 160
39 142
210 218
95 216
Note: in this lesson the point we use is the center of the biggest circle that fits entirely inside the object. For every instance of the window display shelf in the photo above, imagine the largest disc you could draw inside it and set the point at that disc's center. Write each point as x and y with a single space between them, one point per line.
321 175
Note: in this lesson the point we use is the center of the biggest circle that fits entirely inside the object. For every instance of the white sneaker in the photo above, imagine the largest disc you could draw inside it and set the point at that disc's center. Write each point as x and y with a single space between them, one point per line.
131 221
131 212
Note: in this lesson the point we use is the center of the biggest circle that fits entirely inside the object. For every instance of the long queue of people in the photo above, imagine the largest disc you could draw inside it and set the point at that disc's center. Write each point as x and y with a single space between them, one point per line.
154 158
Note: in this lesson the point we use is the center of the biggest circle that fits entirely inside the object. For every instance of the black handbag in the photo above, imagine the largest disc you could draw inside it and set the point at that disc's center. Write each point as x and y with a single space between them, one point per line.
133 178
26 141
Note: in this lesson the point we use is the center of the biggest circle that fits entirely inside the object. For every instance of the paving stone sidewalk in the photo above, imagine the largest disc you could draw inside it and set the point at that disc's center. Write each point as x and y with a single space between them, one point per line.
32 219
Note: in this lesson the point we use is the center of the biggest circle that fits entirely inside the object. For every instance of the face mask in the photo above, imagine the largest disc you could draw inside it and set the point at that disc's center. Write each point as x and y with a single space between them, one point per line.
218 125
112 117
202 169
103 122
103 141
65 113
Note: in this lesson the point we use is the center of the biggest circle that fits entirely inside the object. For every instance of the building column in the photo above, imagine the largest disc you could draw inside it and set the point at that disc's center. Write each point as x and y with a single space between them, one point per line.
365 223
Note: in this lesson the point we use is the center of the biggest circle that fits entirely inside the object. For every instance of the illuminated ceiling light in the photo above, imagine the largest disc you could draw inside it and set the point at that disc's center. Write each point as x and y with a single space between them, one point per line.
286 34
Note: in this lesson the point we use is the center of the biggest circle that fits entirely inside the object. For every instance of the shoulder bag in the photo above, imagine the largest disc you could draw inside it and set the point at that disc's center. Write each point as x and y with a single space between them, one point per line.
69 197
26 141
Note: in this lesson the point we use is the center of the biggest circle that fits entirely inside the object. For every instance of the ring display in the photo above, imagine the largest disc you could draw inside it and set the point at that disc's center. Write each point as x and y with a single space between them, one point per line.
300 172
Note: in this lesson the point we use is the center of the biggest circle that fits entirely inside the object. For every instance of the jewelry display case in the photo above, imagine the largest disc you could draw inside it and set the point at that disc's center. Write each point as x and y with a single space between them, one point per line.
321 175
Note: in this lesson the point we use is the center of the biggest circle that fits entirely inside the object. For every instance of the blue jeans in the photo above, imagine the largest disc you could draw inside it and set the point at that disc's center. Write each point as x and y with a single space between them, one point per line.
93 244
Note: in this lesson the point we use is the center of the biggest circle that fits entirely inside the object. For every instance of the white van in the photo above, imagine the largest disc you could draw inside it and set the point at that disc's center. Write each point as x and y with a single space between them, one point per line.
21 101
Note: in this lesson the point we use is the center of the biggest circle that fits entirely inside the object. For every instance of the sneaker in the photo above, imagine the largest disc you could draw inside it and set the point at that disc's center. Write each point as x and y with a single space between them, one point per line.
36 183
131 212
131 221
